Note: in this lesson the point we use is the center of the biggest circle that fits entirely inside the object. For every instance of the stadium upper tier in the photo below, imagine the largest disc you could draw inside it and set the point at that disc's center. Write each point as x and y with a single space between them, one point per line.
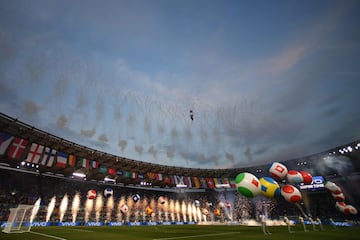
22 143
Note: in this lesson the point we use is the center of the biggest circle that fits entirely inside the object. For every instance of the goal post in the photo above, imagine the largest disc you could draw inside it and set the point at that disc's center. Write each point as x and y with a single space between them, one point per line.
19 219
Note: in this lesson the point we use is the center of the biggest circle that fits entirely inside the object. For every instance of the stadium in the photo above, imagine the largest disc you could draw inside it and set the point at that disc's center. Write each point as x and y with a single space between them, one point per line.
165 120
132 193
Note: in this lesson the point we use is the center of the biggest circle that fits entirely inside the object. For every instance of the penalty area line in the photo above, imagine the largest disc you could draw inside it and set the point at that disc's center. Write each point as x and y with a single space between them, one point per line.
195 236
46 235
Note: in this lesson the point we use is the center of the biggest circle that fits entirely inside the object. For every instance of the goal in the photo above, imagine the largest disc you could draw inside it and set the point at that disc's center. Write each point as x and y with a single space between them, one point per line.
19 219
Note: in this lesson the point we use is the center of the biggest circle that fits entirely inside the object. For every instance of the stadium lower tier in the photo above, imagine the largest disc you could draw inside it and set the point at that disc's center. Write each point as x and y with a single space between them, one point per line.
59 200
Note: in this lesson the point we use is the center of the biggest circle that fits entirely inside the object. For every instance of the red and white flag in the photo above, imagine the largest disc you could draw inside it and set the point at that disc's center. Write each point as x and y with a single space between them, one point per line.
34 154
17 148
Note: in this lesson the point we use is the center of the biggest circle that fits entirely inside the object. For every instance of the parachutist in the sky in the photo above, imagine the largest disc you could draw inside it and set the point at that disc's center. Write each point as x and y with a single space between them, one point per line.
191 115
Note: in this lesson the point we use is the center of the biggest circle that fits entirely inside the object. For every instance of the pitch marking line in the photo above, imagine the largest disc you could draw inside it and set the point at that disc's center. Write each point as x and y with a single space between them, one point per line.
80 230
46 235
195 236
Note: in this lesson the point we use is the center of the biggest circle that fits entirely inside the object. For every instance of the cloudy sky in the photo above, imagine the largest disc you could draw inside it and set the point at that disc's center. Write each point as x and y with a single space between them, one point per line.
266 80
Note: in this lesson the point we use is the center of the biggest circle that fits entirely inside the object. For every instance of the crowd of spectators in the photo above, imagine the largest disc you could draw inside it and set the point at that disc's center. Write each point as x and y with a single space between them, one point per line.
19 187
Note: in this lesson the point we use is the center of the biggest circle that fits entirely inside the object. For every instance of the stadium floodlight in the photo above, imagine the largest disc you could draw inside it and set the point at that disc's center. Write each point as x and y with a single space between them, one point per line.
109 179
225 185
181 185
78 174
81 172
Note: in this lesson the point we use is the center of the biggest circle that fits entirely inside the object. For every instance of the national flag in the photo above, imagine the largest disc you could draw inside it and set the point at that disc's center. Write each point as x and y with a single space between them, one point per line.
210 182
17 148
179 180
48 158
72 160
166 179
127 174
225 181
5 140
233 183
173 179
61 160
196 182
111 171
94 164
150 175
187 181
34 154
158 176
83 162
102 169
135 175
203 183
217 181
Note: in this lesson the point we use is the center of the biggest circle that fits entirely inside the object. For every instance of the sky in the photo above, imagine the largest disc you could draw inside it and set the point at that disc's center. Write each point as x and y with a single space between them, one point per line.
266 80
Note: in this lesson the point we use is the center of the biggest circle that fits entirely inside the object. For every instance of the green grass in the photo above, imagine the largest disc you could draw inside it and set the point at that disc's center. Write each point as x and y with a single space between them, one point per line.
191 232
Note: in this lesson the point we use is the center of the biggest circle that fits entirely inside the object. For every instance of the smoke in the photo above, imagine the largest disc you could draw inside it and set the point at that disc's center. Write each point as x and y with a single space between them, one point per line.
170 153
75 207
109 207
81 101
248 153
102 138
31 107
122 144
60 86
50 208
330 164
89 204
88 133
36 67
152 151
62 121
161 129
203 135
35 210
188 134
147 126
98 207
7 51
63 207
139 150
100 109
174 133
230 157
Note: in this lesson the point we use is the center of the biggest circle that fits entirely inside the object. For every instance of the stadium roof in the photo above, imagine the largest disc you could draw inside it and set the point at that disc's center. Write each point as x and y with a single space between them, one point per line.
34 135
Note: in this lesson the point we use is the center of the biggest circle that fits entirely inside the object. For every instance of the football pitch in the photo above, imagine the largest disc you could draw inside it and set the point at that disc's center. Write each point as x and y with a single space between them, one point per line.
191 232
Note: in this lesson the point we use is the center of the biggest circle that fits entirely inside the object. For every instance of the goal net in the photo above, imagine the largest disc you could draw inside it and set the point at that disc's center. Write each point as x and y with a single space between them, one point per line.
19 219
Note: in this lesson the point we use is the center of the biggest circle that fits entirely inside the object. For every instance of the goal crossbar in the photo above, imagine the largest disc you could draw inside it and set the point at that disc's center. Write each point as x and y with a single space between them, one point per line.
19 219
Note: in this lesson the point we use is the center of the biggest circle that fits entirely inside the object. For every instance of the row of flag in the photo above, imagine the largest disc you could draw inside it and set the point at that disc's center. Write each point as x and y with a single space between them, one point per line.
18 149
